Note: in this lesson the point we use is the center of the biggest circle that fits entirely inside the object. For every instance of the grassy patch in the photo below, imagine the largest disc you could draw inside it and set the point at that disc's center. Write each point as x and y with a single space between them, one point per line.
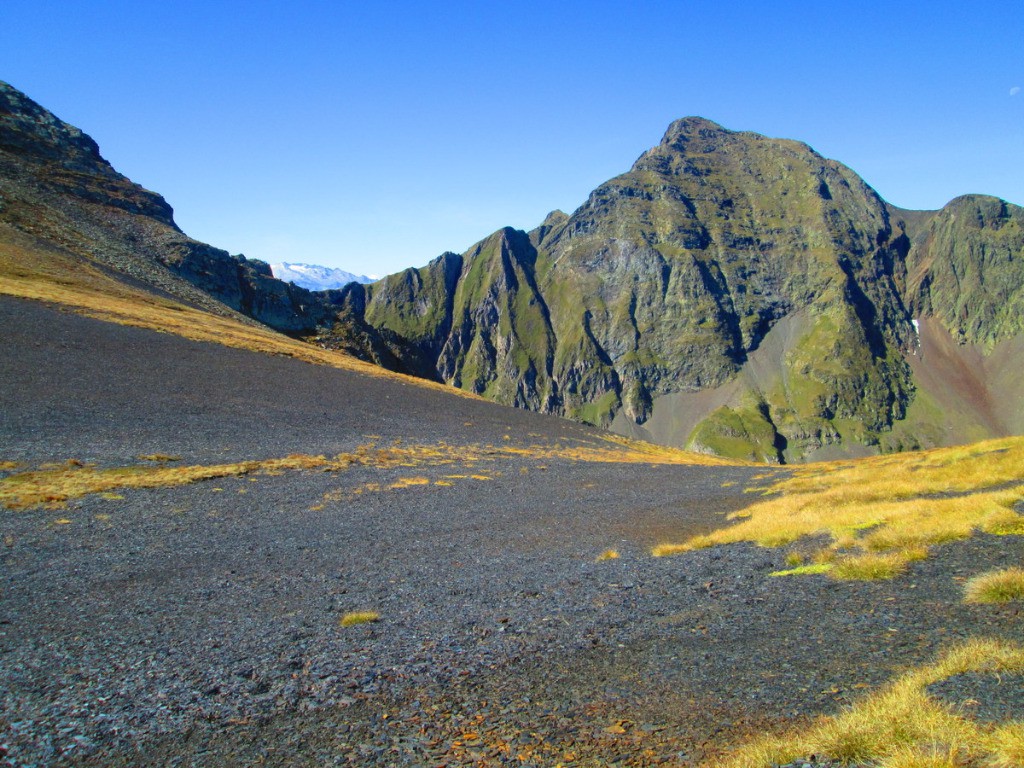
883 512
995 586
743 432
873 566
409 482
608 554
56 486
900 725
614 449
55 483
803 570
1007 744
353 618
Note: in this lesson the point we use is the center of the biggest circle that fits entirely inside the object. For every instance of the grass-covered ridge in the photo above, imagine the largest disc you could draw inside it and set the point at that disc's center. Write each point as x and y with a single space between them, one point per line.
881 513
902 726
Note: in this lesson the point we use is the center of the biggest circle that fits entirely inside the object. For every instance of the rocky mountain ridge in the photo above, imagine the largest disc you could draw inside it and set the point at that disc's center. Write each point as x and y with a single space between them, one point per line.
55 186
731 293
669 279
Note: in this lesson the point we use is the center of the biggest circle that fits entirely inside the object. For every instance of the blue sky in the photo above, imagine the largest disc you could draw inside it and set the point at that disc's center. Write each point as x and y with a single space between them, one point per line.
376 136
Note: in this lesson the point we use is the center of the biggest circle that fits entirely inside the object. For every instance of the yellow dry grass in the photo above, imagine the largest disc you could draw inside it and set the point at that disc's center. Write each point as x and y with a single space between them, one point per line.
358 617
872 566
1007 744
900 726
608 554
55 486
803 570
995 586
409 482
55 483
629 451
884 512
614 449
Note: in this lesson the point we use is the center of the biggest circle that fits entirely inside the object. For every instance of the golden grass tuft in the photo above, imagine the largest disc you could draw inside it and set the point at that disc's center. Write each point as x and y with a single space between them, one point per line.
697 542
995 586
873 566
884 512
900 726
1007 746
608 554
409 482
793 559
58 484
354 618
803 570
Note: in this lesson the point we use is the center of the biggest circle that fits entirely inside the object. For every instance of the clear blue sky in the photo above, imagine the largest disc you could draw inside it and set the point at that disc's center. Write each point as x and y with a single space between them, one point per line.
374 136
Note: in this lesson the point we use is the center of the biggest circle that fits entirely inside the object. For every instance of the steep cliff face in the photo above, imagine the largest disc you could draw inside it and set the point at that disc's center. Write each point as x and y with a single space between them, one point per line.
480 317
706 244
966 269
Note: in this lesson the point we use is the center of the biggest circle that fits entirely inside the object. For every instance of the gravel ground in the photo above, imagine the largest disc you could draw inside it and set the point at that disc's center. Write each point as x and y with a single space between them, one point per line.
199 625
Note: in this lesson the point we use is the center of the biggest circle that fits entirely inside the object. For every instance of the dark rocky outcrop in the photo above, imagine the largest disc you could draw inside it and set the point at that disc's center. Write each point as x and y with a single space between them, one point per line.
56 186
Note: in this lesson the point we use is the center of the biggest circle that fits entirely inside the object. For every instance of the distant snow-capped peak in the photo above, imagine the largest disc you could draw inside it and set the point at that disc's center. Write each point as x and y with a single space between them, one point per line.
316 278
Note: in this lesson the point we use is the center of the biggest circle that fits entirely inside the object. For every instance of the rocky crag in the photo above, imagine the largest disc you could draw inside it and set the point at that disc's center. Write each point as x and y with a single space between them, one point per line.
731 293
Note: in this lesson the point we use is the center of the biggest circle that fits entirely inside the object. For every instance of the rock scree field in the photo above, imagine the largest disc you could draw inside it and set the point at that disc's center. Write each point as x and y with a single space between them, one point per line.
207 561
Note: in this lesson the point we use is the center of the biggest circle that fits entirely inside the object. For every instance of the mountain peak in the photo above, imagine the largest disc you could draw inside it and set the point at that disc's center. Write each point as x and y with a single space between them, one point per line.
690 127
688 135
686 129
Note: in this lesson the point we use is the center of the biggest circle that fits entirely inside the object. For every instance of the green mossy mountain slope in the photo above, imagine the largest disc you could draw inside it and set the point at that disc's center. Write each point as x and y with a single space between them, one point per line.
966 269
671 276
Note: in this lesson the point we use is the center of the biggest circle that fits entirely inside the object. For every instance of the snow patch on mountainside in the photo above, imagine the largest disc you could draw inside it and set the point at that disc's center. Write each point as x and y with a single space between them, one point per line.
316 278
